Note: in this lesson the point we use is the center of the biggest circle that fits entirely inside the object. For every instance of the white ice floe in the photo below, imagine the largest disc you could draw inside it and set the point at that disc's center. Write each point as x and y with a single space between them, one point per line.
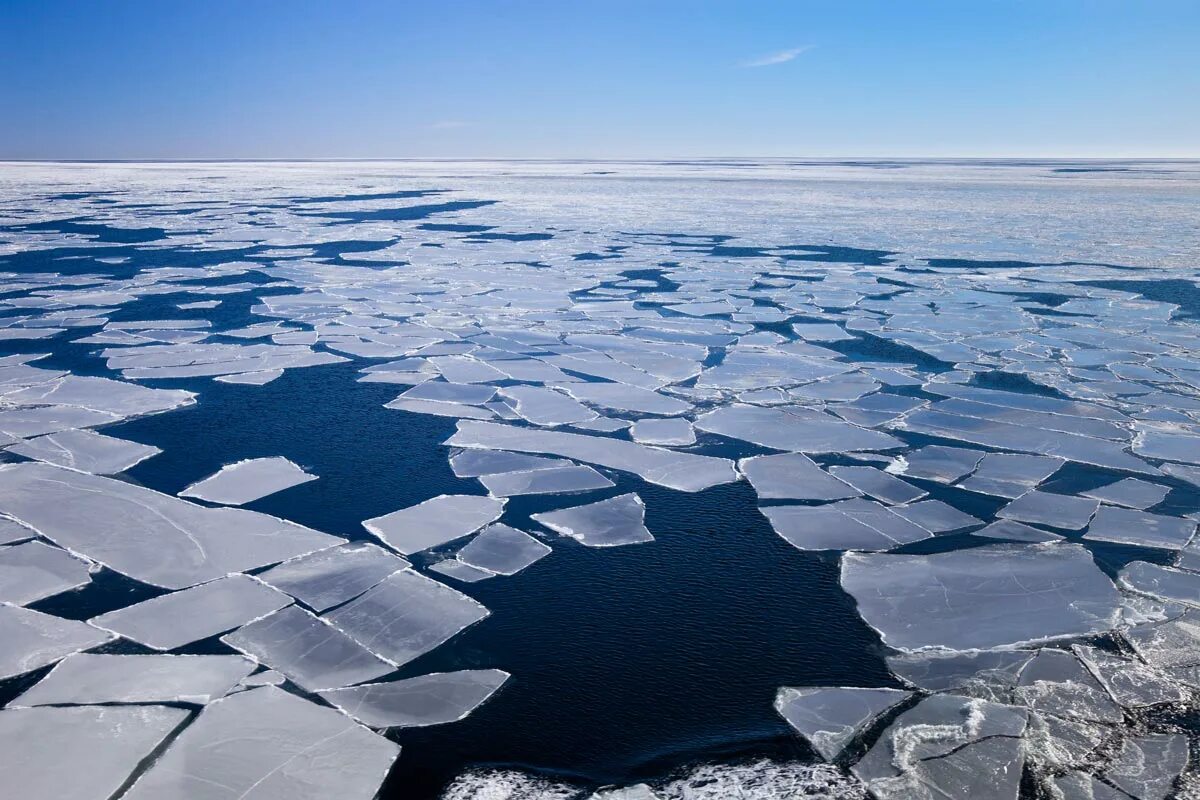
607 523
830 717
32 571
1131 493
245 481
31 640
416 702
328 578
86 451
502 550
1056 510
556 480
434 522
793 476
1130 526
793 429
668 432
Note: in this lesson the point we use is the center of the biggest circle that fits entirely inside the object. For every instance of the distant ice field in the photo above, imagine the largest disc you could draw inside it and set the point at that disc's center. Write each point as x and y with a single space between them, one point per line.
600 480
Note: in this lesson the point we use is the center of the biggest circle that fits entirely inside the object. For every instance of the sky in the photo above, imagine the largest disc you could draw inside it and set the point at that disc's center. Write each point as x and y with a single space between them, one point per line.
127 79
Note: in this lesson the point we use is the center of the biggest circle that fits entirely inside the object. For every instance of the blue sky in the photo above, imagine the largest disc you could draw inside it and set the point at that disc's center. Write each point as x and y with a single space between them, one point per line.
616 79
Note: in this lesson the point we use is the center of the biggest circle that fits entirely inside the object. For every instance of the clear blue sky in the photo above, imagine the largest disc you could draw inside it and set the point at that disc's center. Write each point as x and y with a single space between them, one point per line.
577 78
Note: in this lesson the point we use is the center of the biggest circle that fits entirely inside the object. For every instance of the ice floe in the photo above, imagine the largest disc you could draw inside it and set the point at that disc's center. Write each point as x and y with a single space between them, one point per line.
245 481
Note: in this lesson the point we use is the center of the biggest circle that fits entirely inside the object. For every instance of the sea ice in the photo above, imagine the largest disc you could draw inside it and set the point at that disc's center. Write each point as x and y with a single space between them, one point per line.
328 578
608 523
556 480
85 451
669 432
1056 510
434 522
793 476
502 550
1130 526
32 571
878 484
31 640
415 702
794 430
830 717
245 481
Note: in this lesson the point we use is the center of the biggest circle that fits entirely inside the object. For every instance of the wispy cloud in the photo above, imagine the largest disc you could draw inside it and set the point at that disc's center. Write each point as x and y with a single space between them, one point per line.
781 57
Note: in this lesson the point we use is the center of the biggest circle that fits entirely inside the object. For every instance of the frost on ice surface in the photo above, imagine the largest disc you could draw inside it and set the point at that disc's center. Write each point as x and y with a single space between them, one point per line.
986 597
31 640
32 571
669 432
328 578
84 753
434 522
415 702
830 717
502 550
309 651
1161 582
86 451
90 679
937 671
153 537
245 481
616 521
555 480
1147 766
406 615
265 744
179 618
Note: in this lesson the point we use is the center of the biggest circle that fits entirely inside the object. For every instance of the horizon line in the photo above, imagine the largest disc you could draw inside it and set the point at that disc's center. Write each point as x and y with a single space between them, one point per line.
600 159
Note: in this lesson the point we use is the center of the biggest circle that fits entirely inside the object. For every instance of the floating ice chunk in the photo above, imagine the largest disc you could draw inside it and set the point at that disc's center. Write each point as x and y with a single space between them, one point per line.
434 522
1168 446
176 619
795 430
938 463
1083 786
639 791
663 432
573 478
250 378
79 753
603 425
749 369
830 717
543 406
463 369
821 332
328 578
1130 683
246 481
1055 510
89 679
31 640
155 538
608 523
85 451
471 394
103 394
32 571
267 677
440 408
1148 766
474 463
1055 682
1161 582
1172 646
1010 474
1028 402
624 397
1128 526
683 471
828 528
878 484
986 597
459 571
502 550
13 531
406 615
416 702
936 516
266 744
311 652
23 423
793 476
1016 531
939 671
1131 493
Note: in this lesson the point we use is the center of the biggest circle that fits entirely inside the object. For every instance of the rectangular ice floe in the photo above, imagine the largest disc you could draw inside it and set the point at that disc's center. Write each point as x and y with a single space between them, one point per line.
616 521
90 679
244 481
32 571
1010 474
574 478
266 744
936 516
22 423
85 451
179 618
1055 510
1131 493
311 652
1161 582
462 393
675 432
502 550
328 578
878 484
543 406
103 394
84 753
31 640
416 702
1130 526
987 597
793 476
793 429
436 521
830 717
475 463
153 537
1016 531
683 471
938 463
842 526
405 616
260 378
1168 445
623 397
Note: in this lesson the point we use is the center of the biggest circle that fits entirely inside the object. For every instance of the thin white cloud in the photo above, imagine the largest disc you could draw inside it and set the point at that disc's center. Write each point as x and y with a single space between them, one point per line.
781 57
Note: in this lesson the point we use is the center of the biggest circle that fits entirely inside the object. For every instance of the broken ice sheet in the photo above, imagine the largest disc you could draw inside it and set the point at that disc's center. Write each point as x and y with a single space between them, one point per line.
152 537
259 378
1131 493
623 397
415 702
573 478
460 571
793 476
244 481
83 753
608 523
830 717
13 531
179 618
938 463
433 522
936 516
878 484
312 653
405 616
1161 582
1016 531
1055 682
88 679
986 597
328 578
842 527
31 640
474 463
1010 474
1056 510
1129 526
266 744
669 432
1147 766
502 550
32 571
543 406
793 429
938 671
104 395
1129 682
85 451
471 394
